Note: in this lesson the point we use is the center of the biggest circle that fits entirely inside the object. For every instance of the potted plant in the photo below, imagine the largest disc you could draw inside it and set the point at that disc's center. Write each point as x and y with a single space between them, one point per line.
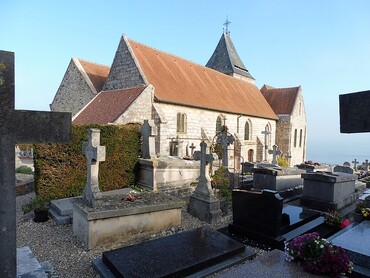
40 209
357 214
333 218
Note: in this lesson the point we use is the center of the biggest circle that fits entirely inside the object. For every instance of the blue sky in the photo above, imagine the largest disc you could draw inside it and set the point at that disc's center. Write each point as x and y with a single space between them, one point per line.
324 46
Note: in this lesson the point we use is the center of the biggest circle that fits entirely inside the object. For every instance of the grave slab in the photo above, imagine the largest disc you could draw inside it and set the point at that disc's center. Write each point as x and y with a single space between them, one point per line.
178 255
113 220
28 265
356 241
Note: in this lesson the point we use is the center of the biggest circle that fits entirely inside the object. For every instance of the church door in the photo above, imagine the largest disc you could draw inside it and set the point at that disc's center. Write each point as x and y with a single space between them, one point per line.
250 155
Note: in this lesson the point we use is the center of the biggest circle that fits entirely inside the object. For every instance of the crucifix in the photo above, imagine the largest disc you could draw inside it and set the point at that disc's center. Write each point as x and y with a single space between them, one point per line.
225 140
204 187
355 162
94 154
19 126
275 152
266 133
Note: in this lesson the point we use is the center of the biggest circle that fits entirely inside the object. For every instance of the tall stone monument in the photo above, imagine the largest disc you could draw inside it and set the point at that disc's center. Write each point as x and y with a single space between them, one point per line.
94 154
203 204
19 126
225 139
148 132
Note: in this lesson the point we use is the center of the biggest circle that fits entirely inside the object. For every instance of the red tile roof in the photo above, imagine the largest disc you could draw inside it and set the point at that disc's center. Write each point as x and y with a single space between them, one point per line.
97 73
281 99
182 82
107 106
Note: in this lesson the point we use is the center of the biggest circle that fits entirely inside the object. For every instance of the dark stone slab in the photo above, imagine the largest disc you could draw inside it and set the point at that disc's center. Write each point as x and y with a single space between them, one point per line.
356 240
354 112
174 256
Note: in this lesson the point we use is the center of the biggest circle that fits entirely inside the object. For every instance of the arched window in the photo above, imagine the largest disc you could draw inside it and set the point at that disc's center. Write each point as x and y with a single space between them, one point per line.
218 124
295 138
246 131
181 123
300 138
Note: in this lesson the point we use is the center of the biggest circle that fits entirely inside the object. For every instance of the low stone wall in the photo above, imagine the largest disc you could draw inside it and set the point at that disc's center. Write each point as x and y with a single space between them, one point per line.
114 220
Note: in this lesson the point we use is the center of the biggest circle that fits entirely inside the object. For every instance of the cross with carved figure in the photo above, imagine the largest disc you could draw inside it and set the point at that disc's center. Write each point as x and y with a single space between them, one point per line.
275 152
94 154
19 126
204 185
225 140
355 163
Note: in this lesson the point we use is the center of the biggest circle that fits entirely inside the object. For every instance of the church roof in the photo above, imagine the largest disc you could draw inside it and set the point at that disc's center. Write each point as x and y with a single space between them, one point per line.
282 100
97 73
182 82
107 106
225 59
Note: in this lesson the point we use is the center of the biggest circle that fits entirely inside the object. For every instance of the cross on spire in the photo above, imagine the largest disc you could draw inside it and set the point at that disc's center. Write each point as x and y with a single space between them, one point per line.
227 23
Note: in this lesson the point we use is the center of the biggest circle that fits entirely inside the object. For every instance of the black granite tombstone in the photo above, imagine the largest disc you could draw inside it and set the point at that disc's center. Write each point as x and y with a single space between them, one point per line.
178 255
261 216
354 112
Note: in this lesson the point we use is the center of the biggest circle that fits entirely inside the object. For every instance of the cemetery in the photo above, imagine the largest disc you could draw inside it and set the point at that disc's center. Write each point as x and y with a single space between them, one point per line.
141 226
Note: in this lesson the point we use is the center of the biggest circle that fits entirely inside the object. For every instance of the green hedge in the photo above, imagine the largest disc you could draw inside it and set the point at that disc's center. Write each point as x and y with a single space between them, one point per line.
60 169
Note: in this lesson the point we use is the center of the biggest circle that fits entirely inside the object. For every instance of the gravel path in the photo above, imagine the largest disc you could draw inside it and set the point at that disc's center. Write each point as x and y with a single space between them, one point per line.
58 245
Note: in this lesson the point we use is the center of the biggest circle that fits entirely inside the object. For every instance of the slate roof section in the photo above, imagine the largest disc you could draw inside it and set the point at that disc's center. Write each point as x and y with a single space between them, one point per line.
182 82
282 100
225 59
97 73
107 106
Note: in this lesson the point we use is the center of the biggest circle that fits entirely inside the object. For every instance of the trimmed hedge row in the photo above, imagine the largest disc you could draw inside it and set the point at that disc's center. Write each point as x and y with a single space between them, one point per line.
60 169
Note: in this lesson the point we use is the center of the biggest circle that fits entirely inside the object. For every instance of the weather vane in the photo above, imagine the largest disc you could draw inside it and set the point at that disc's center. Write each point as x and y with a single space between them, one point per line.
227 22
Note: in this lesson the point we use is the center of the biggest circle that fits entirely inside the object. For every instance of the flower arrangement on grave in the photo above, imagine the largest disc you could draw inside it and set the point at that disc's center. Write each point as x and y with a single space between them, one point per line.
333 218
318 256
365 213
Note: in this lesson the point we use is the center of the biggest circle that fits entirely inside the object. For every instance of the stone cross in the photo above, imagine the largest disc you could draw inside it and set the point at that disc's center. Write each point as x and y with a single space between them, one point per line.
366 164
355 162
275 152
266 133
148 131
94 154
225 140
19 126
192 147
204 187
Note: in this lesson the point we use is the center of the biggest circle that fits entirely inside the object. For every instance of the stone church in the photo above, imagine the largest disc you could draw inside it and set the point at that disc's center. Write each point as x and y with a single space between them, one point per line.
187 102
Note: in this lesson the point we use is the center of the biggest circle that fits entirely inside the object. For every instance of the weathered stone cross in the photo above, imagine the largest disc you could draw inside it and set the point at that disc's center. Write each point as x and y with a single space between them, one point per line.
192 147
275 152
355 162
366 164
19 126
266 133
94 154
148 132
225 140
204 187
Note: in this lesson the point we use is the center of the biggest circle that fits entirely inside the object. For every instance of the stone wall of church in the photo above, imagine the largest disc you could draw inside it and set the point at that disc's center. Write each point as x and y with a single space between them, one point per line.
73 93
283 134
124 72
298 134
201 124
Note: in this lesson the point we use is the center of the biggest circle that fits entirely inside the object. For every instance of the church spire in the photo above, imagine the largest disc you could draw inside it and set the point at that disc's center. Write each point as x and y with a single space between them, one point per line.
225 59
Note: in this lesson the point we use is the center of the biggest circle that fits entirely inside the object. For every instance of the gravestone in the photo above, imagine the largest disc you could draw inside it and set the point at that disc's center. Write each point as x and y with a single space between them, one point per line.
19 126
328 191
148 131
196 253
266 133
261 216
275 153
94 154
366 165
343 169
355 163
346 164
202 203
225 140
192 147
